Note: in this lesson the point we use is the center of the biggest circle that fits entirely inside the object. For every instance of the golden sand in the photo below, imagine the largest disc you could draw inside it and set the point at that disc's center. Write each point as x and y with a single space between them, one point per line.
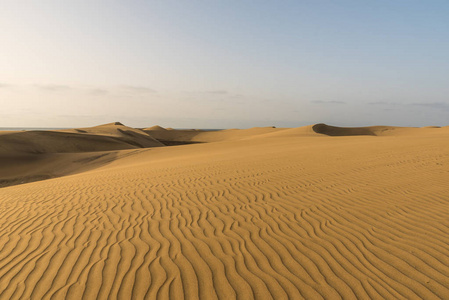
315 212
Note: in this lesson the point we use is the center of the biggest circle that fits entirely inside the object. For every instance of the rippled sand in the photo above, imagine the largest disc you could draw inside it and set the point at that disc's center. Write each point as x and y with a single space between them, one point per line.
312 212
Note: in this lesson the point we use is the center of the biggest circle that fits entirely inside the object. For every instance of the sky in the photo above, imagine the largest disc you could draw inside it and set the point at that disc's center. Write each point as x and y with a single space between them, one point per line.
224 64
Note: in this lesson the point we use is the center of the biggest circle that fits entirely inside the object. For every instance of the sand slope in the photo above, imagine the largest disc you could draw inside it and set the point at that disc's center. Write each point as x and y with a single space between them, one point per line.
283 215
100 138
200 136
27 156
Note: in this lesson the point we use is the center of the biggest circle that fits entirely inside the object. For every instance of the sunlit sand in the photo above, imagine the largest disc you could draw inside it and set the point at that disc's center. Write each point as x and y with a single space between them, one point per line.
111 212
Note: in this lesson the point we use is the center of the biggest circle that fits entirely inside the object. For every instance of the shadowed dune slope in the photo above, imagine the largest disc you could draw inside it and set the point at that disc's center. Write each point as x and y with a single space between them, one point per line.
375 130
299 218
27 156
100 138
23 168
348 131
133 136
59 142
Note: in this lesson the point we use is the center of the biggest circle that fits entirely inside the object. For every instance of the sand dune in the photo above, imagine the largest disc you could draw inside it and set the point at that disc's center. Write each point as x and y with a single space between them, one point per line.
266 213
155 128
27 156
135 138
100 138
373 130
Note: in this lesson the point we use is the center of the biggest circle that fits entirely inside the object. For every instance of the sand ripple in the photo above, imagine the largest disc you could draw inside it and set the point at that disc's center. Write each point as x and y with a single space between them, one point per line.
352 218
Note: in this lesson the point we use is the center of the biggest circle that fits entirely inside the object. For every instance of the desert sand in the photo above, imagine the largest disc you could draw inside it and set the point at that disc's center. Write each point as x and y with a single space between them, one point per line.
315 212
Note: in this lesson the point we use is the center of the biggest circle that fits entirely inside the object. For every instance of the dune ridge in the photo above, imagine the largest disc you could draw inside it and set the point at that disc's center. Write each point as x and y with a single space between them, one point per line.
288 213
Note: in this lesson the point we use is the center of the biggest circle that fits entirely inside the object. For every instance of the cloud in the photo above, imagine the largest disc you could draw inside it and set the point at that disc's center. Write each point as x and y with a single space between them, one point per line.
53 87
379 103
95 90
138 89
218 92
328 102
385 103
4 85
98 92
433 105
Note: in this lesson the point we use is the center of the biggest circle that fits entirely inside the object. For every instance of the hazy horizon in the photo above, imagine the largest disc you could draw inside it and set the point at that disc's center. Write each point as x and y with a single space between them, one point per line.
224 64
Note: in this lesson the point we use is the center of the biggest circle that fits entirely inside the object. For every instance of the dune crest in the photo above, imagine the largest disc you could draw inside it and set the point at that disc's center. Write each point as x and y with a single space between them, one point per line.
154 128
111 124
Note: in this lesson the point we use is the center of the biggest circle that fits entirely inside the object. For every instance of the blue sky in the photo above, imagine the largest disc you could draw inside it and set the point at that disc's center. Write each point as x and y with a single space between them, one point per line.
221 64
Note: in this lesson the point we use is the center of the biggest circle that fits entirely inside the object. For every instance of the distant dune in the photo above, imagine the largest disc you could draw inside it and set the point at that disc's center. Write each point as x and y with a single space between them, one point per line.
314 212
347 131
155 128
